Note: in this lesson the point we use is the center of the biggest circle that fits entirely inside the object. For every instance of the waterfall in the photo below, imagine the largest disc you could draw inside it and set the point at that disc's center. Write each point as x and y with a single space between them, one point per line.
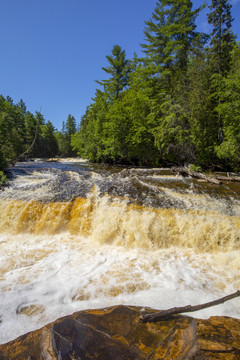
76 236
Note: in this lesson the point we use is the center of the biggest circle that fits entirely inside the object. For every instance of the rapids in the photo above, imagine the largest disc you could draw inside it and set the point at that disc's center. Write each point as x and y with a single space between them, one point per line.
75 236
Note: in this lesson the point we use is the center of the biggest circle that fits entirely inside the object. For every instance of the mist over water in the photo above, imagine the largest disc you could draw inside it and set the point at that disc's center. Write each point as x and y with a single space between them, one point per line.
75 236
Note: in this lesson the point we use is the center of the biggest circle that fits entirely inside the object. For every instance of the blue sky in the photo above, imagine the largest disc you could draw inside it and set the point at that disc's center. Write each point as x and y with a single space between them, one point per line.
52 51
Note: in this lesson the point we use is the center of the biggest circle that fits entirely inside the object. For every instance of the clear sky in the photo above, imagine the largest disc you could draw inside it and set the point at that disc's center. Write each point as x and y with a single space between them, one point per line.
52 51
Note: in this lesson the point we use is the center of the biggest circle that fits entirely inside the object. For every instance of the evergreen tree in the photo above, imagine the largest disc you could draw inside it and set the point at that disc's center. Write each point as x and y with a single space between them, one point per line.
22 106
229 110
31 129
50 142
222 42
201 117
22 132
92 139
170 35
70 130
70 126
39 146
222 38
171 42
64 137
60 136
11 129
118 70
178 104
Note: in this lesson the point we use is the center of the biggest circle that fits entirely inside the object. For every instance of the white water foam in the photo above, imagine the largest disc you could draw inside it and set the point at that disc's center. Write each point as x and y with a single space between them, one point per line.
45 277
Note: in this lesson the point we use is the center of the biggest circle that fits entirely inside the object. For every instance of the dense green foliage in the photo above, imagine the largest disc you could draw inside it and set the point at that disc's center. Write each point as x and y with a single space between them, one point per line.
119 69
2 178
64 137
178 104
23 135
229 109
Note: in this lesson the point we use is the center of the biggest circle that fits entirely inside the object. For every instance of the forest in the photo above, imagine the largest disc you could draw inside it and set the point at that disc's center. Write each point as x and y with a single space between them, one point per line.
179 103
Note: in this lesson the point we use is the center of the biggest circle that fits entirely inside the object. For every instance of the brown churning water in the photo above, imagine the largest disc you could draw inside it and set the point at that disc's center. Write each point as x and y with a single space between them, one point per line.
75 236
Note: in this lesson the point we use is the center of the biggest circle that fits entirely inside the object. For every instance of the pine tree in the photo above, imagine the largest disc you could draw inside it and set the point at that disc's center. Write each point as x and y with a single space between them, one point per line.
50 142
64 137
229 109
119 70
202 120
70 126
93 137
12 128
222 42
171 41
31 129
170 34
222 38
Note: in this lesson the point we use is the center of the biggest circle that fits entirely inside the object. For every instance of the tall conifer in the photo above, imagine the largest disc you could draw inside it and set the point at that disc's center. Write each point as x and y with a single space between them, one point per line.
118 70
222 38
222 42
170 34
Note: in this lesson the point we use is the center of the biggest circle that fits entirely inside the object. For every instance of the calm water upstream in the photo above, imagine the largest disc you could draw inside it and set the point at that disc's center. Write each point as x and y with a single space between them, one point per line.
76 236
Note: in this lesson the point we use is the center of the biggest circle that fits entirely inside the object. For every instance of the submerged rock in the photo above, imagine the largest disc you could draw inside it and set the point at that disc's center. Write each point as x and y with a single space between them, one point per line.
116 333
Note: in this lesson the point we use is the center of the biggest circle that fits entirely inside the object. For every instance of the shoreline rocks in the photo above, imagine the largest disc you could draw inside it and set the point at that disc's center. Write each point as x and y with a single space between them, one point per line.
115 333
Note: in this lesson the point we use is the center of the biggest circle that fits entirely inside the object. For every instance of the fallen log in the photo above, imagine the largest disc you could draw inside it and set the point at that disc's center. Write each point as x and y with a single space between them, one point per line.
164 314
196 175
228 178
180 170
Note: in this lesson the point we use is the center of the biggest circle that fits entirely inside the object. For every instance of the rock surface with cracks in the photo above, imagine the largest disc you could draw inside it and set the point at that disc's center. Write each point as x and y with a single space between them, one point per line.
116 333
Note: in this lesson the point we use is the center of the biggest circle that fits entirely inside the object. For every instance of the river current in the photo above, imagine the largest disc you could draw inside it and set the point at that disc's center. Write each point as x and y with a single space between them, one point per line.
75 236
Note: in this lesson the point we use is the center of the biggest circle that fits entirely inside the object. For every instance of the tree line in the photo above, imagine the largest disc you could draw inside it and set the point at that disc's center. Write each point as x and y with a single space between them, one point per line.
22 132
178 103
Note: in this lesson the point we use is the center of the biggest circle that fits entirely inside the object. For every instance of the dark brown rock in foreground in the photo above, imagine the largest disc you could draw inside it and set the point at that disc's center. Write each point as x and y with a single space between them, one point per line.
115 333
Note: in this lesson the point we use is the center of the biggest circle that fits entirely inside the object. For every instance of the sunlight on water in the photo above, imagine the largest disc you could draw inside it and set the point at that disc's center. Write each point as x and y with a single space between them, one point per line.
78 239
45 277
113 221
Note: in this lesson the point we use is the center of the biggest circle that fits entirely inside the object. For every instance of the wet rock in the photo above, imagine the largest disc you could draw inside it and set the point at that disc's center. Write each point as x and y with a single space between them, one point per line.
116 333
30 310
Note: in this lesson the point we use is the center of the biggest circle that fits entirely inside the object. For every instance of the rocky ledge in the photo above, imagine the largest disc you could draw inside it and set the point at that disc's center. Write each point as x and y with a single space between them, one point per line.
115 333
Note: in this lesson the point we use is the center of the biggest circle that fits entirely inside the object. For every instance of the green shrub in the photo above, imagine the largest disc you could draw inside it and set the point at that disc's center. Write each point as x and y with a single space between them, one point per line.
195 168
3 161
3 178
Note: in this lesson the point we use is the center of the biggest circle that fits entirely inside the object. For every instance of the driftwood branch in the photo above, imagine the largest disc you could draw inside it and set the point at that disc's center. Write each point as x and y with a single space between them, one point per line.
163 314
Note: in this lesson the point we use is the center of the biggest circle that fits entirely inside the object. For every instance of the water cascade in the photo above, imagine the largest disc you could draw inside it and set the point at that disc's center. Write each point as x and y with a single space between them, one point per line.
77 236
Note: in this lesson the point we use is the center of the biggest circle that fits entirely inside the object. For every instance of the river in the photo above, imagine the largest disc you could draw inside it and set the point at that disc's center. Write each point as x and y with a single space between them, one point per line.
75 236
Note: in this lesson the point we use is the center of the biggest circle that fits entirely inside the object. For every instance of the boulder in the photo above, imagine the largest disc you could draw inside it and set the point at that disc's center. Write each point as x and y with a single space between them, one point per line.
115 333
